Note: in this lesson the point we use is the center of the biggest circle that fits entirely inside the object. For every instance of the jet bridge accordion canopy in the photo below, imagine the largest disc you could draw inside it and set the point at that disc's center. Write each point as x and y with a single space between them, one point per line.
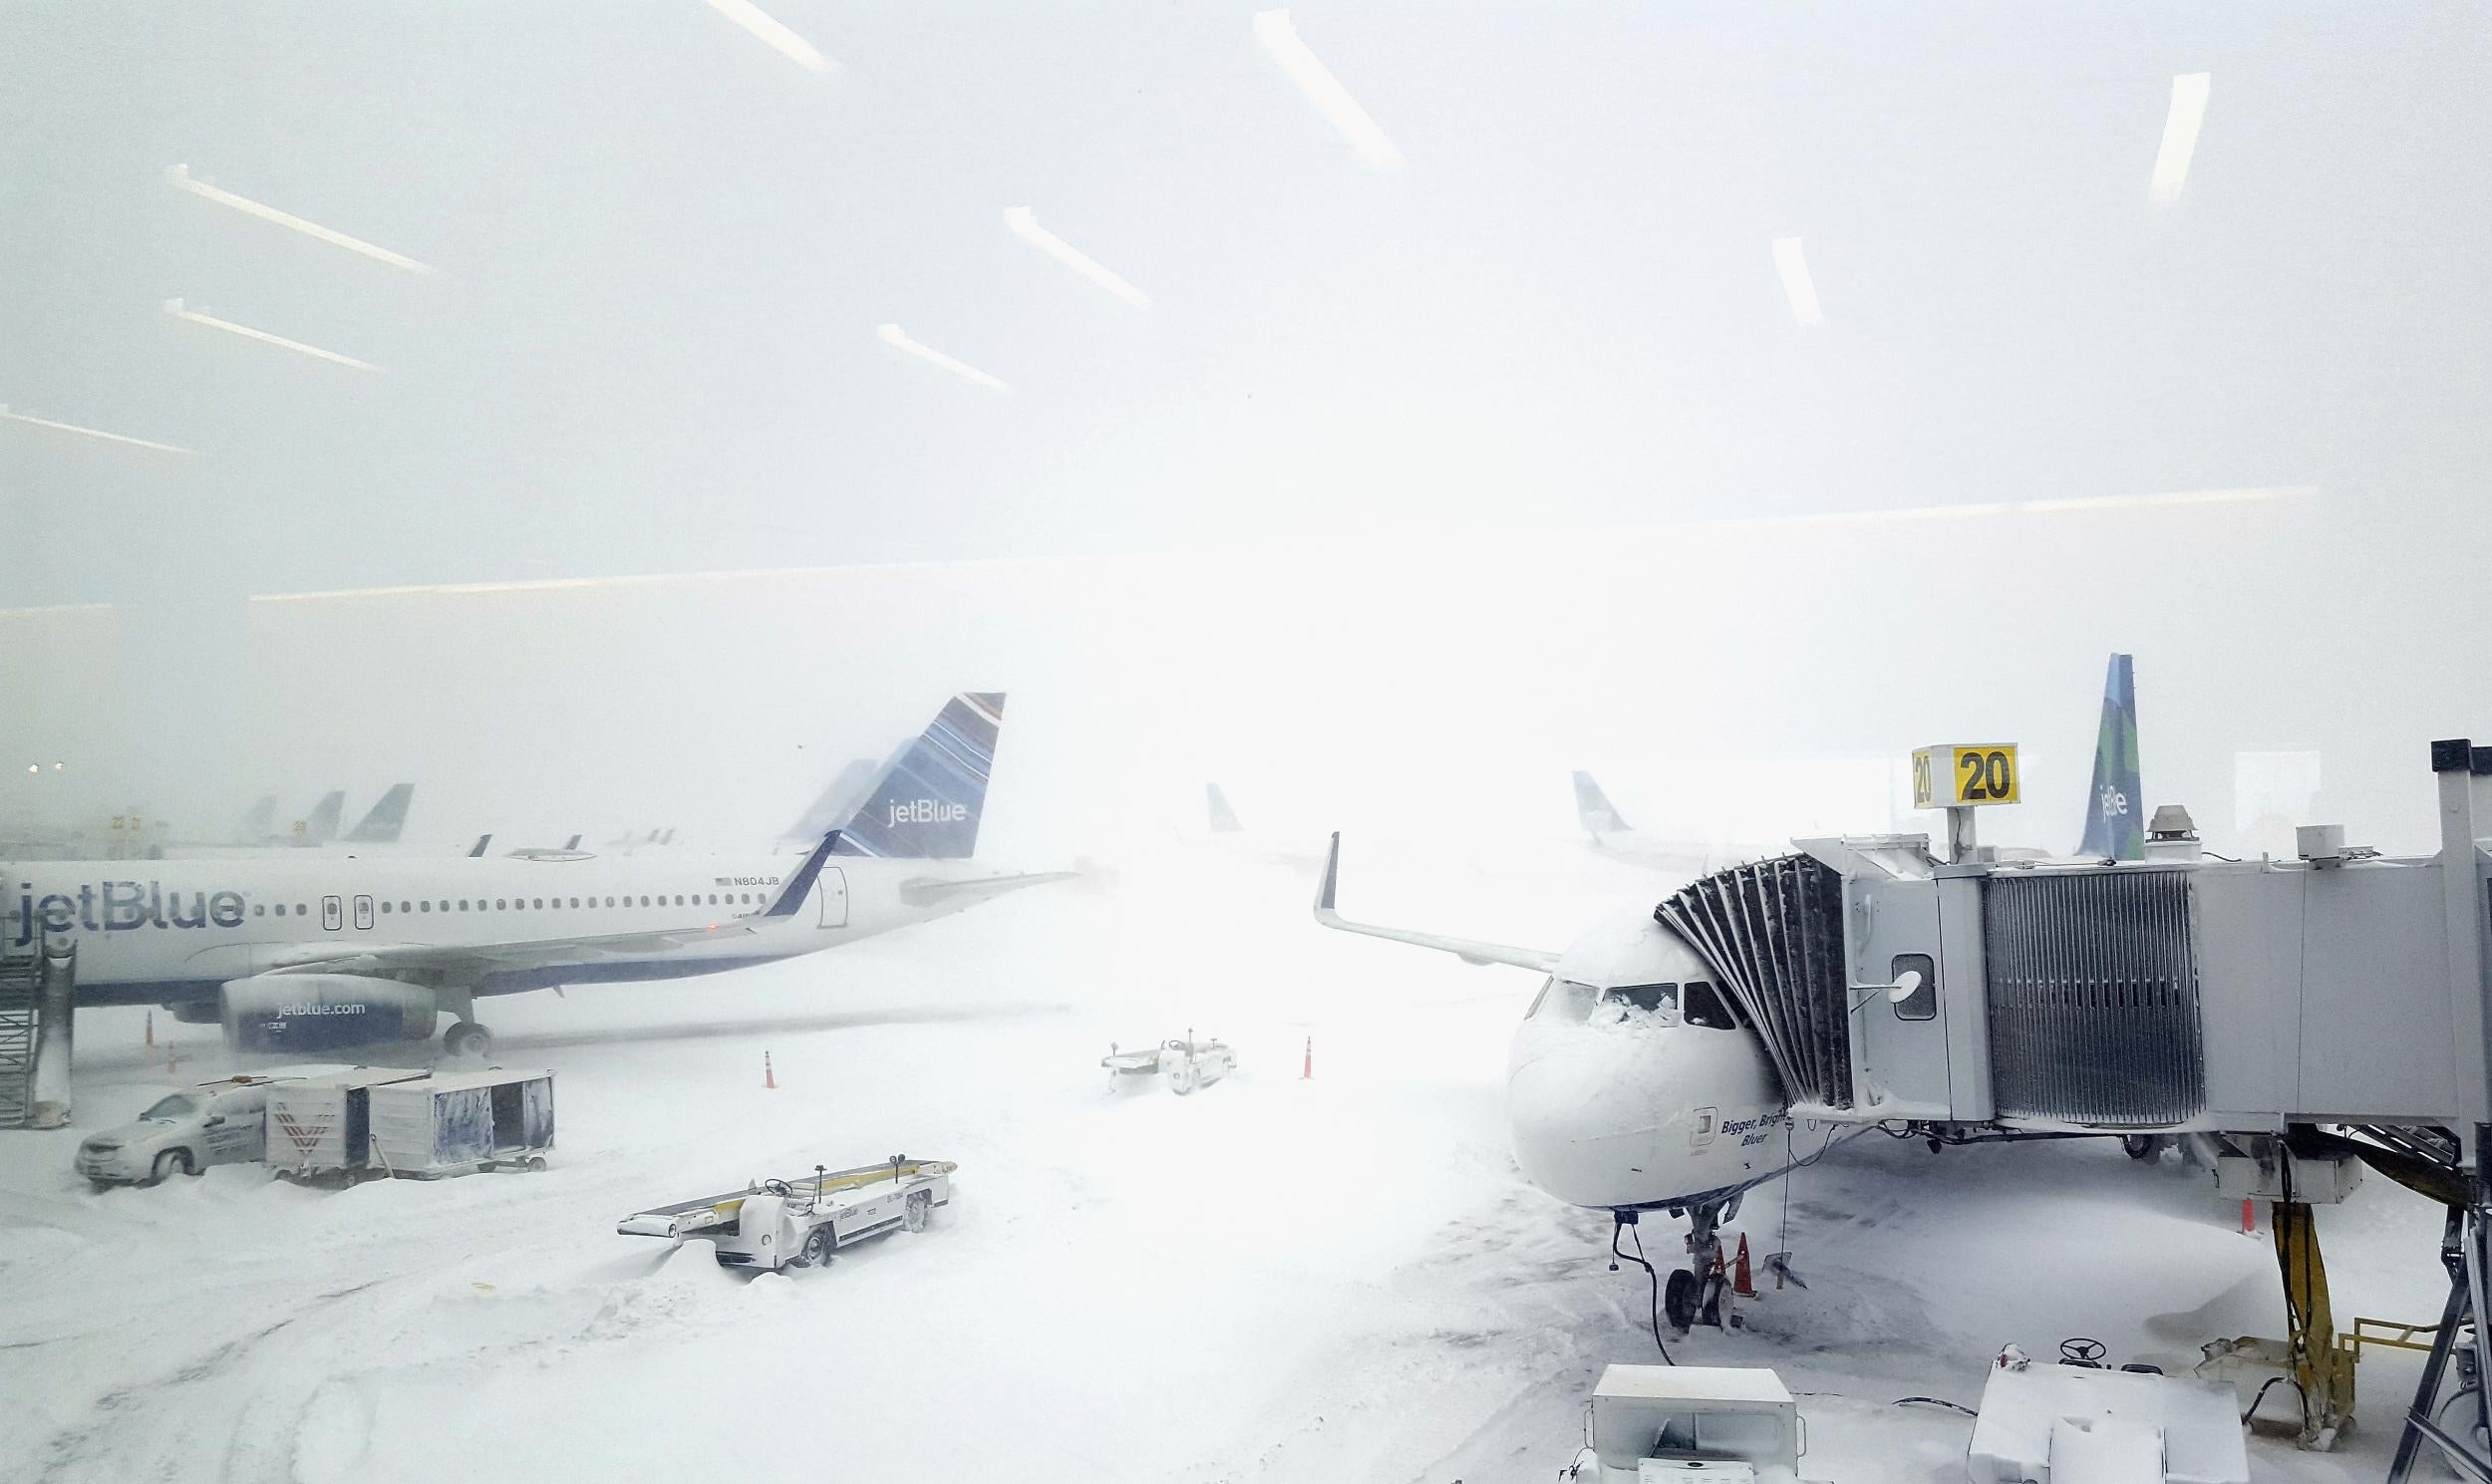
1774 931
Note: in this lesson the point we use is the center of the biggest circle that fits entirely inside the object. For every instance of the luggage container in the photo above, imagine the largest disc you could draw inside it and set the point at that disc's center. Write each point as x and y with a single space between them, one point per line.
457 1123
320 1127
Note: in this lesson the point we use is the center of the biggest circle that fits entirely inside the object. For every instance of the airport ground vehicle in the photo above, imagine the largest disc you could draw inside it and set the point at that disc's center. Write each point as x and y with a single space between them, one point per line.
182 1133
775 1223
1188 1064
457 1123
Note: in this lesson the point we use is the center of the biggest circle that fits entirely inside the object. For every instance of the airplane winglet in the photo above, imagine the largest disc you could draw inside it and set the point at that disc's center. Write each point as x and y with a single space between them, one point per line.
1329 885
480 842
800 885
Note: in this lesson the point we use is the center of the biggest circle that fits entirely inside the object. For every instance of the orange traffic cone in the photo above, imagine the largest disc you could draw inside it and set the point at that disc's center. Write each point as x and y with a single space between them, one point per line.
2249 1217
1743 1282
769 1079
1305 1070
150 1042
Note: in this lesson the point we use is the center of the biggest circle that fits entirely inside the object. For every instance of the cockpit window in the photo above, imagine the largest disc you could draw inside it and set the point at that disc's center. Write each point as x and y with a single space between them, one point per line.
179 1105
1703 1004
1565 999
1659 999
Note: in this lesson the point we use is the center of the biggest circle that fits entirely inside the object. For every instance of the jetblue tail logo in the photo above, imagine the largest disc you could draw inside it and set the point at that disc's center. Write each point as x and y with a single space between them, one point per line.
927 806
2113 827
388 817
1594 810
848 790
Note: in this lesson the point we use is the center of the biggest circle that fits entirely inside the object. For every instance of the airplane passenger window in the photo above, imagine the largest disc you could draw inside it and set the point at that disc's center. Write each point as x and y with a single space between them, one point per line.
427 905
384 907
500 905
259 909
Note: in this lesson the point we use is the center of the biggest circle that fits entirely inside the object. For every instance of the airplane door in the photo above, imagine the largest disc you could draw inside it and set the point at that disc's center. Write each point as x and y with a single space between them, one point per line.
332 913
363 914
831 887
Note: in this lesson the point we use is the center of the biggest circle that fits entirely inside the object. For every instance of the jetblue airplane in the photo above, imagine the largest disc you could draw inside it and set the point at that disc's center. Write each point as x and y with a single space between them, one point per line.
316 951
1633 1084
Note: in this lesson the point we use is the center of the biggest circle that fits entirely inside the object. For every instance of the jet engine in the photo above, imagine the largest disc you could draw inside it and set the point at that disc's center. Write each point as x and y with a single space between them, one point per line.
319 1011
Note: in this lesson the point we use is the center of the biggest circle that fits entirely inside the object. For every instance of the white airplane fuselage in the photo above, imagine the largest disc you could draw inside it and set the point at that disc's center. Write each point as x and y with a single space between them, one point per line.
1623 1100
170 930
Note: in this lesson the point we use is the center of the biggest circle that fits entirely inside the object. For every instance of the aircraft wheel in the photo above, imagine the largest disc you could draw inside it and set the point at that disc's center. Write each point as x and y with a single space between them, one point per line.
2142 1146
1679 1300
918 1211
467 1038
1711 1311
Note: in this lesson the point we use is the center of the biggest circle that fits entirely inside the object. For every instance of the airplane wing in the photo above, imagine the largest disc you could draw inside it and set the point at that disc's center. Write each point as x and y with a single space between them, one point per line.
1468 950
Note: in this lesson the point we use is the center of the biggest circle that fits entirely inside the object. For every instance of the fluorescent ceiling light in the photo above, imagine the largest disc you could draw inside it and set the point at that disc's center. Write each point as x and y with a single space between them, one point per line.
1796 284
2180 136
893 336
773 35
1324 90
1027 228
111 438
179 176
174 307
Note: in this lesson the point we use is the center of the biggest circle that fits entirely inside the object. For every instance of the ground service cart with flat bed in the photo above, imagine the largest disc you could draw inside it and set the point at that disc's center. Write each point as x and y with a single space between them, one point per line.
775 1223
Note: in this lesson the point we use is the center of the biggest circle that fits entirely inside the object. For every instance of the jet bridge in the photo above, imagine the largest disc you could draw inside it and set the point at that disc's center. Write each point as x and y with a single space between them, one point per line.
1987 997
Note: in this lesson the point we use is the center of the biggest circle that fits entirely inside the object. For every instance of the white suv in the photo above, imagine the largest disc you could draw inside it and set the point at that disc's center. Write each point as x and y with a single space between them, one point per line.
182 1133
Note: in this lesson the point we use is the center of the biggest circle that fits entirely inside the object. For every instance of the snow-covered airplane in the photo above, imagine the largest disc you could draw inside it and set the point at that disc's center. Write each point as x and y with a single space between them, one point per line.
1608 832
306 950
1633 1083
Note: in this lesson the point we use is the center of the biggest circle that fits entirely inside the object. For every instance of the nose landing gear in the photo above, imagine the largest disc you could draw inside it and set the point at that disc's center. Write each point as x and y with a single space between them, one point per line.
1700 1293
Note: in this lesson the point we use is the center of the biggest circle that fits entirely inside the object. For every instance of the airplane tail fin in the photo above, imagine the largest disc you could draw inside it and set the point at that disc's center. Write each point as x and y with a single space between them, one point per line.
387 818
844 797
2113 823
1594 810
482 841
1223 818
928 804
573 843
259 822
321 826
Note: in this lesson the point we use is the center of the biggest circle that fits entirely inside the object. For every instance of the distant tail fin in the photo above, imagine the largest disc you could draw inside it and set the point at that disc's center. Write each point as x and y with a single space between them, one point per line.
1594 810
845 796
1223 818
2114 824
321 826
928 805
482 841
573 843
259 822
388 817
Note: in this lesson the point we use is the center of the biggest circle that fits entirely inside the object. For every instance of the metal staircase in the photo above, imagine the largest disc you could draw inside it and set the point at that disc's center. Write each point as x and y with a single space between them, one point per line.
21 999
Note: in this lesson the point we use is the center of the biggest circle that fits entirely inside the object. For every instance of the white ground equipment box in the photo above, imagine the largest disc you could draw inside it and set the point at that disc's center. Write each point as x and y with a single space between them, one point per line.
456 1123
1701 1423
2078 1424
1188 1064
320 1127
775 1223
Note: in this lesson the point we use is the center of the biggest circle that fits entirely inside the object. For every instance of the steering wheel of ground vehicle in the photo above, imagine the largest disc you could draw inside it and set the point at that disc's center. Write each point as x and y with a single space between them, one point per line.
2081 1350
919 1210
778 1188
817 1249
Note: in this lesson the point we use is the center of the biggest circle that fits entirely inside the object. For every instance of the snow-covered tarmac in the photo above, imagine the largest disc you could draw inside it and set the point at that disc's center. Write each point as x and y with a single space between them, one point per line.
1337 1279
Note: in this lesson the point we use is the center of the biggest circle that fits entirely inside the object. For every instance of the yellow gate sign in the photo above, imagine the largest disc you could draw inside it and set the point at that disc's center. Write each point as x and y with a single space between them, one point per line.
1950 777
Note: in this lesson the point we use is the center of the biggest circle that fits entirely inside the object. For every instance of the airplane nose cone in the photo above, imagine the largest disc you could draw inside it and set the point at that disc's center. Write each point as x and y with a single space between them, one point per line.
1596 1118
